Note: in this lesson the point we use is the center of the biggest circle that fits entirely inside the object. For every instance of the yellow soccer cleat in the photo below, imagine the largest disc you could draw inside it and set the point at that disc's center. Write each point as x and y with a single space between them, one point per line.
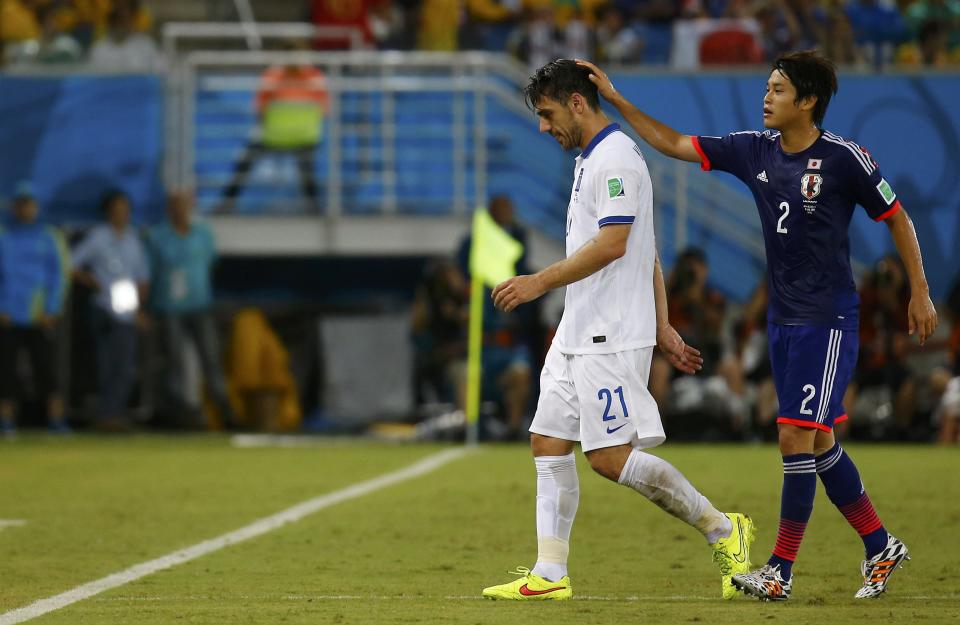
530 587
732 554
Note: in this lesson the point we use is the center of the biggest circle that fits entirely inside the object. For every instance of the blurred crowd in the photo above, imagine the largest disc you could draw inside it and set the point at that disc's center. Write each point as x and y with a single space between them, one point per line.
684 34
112 35
900 392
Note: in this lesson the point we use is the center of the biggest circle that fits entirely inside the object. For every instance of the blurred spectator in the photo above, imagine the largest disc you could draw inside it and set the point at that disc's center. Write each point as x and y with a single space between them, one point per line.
882 393
123 48
354 14
617 41
508 338
877 29
935 24
755 362
290 104
19 30
698 314
56 44
388 24
934 27
548 34
260 379
439 23
839 44
32 281
788 25
489 23
18 21
182 252
438 324
111 261
947 414
88 20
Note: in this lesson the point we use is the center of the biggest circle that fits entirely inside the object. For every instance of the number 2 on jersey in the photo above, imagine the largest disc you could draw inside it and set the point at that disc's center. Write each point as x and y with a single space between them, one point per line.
605 393
785 207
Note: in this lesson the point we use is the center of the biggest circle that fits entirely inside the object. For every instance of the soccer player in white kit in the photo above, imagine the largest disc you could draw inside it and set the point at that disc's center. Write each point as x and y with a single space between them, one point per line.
593 387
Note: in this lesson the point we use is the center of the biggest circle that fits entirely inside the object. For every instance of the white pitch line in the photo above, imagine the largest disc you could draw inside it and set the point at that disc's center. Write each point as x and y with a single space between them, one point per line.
11 523
257 528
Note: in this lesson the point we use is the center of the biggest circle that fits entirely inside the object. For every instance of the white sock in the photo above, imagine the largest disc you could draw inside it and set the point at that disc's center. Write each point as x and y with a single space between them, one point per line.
657 480
558 494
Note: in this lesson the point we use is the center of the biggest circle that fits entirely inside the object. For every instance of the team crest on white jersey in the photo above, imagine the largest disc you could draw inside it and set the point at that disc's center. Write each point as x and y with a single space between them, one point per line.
810 185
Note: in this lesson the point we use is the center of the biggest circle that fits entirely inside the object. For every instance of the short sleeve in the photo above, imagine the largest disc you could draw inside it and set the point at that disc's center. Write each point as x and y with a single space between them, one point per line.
871 190
727 153
620 195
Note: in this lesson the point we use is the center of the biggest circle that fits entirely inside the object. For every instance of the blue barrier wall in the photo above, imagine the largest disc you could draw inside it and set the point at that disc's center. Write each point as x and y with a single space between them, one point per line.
77 137
910 124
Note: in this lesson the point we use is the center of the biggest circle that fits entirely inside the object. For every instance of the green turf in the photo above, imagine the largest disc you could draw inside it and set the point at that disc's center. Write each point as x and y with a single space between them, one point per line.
421 551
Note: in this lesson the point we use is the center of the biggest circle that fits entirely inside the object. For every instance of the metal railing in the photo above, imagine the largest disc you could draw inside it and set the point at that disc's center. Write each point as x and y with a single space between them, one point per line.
368 91
371 79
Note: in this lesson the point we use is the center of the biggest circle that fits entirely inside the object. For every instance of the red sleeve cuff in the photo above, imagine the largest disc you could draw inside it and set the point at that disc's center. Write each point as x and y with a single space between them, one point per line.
893 209
704 160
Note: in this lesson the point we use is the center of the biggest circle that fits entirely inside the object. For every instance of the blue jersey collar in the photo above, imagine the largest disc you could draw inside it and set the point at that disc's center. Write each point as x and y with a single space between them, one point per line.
600 136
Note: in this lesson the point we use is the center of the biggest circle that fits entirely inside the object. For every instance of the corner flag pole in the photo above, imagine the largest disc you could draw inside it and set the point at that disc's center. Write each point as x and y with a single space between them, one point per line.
493 258
474 348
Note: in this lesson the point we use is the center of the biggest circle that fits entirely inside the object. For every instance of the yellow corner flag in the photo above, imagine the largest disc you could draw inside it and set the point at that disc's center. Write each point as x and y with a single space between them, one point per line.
493 258
493 252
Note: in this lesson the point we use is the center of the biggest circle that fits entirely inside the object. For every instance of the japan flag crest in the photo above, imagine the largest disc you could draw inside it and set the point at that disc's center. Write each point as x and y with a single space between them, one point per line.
810 185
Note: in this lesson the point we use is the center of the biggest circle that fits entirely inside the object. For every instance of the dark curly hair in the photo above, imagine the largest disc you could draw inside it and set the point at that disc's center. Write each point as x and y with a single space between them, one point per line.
558 80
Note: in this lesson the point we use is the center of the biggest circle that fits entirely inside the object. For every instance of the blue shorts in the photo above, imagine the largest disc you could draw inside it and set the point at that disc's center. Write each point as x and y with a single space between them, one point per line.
812 367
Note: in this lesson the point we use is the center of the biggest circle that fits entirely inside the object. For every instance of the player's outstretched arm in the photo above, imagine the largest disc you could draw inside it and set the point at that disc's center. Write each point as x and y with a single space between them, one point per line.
609 245
682 356
921 312
663 138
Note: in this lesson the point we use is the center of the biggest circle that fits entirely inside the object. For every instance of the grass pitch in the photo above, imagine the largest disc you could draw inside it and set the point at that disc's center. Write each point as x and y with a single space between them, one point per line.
421 551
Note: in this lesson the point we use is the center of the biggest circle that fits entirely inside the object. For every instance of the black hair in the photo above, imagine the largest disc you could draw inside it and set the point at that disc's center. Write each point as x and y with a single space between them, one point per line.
109 198
558 80
811 75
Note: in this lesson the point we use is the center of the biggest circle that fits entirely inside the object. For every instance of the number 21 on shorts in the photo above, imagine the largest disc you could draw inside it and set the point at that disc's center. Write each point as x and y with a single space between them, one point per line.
604 394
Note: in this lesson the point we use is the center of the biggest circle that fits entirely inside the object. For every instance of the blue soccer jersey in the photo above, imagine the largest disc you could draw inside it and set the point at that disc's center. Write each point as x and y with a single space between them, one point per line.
805 200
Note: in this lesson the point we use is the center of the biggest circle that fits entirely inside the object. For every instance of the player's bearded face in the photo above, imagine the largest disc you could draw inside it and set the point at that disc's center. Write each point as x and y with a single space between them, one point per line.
558 120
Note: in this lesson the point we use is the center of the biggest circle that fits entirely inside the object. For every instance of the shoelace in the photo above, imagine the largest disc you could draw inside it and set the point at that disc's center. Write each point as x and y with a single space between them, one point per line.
522 571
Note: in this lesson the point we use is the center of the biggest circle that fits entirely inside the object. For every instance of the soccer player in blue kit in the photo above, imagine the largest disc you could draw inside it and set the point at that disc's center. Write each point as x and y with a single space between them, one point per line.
806 182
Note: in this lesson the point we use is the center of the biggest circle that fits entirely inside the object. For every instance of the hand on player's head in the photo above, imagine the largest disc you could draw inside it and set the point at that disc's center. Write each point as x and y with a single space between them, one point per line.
599 78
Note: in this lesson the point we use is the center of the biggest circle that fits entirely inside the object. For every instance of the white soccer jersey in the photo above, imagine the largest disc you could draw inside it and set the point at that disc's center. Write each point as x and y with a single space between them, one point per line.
612 310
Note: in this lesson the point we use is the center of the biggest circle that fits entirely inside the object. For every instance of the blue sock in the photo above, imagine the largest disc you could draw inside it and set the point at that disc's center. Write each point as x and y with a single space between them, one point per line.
796 505
844 488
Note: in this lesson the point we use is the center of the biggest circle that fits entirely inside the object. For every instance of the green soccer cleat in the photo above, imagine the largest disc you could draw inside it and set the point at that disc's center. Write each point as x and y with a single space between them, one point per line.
732 554
530 587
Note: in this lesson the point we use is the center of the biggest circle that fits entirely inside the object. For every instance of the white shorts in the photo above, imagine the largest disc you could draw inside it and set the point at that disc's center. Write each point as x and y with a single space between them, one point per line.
600 400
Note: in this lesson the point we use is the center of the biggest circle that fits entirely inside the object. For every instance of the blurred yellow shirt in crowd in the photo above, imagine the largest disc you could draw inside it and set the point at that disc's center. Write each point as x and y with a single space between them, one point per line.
97 12
17 22
439 21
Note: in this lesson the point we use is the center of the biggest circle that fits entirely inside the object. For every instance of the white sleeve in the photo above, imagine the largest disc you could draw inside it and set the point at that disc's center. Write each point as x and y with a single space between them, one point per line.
620 193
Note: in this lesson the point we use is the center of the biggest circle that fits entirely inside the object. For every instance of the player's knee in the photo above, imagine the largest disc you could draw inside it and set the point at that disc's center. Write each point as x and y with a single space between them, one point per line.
795 439
609 461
